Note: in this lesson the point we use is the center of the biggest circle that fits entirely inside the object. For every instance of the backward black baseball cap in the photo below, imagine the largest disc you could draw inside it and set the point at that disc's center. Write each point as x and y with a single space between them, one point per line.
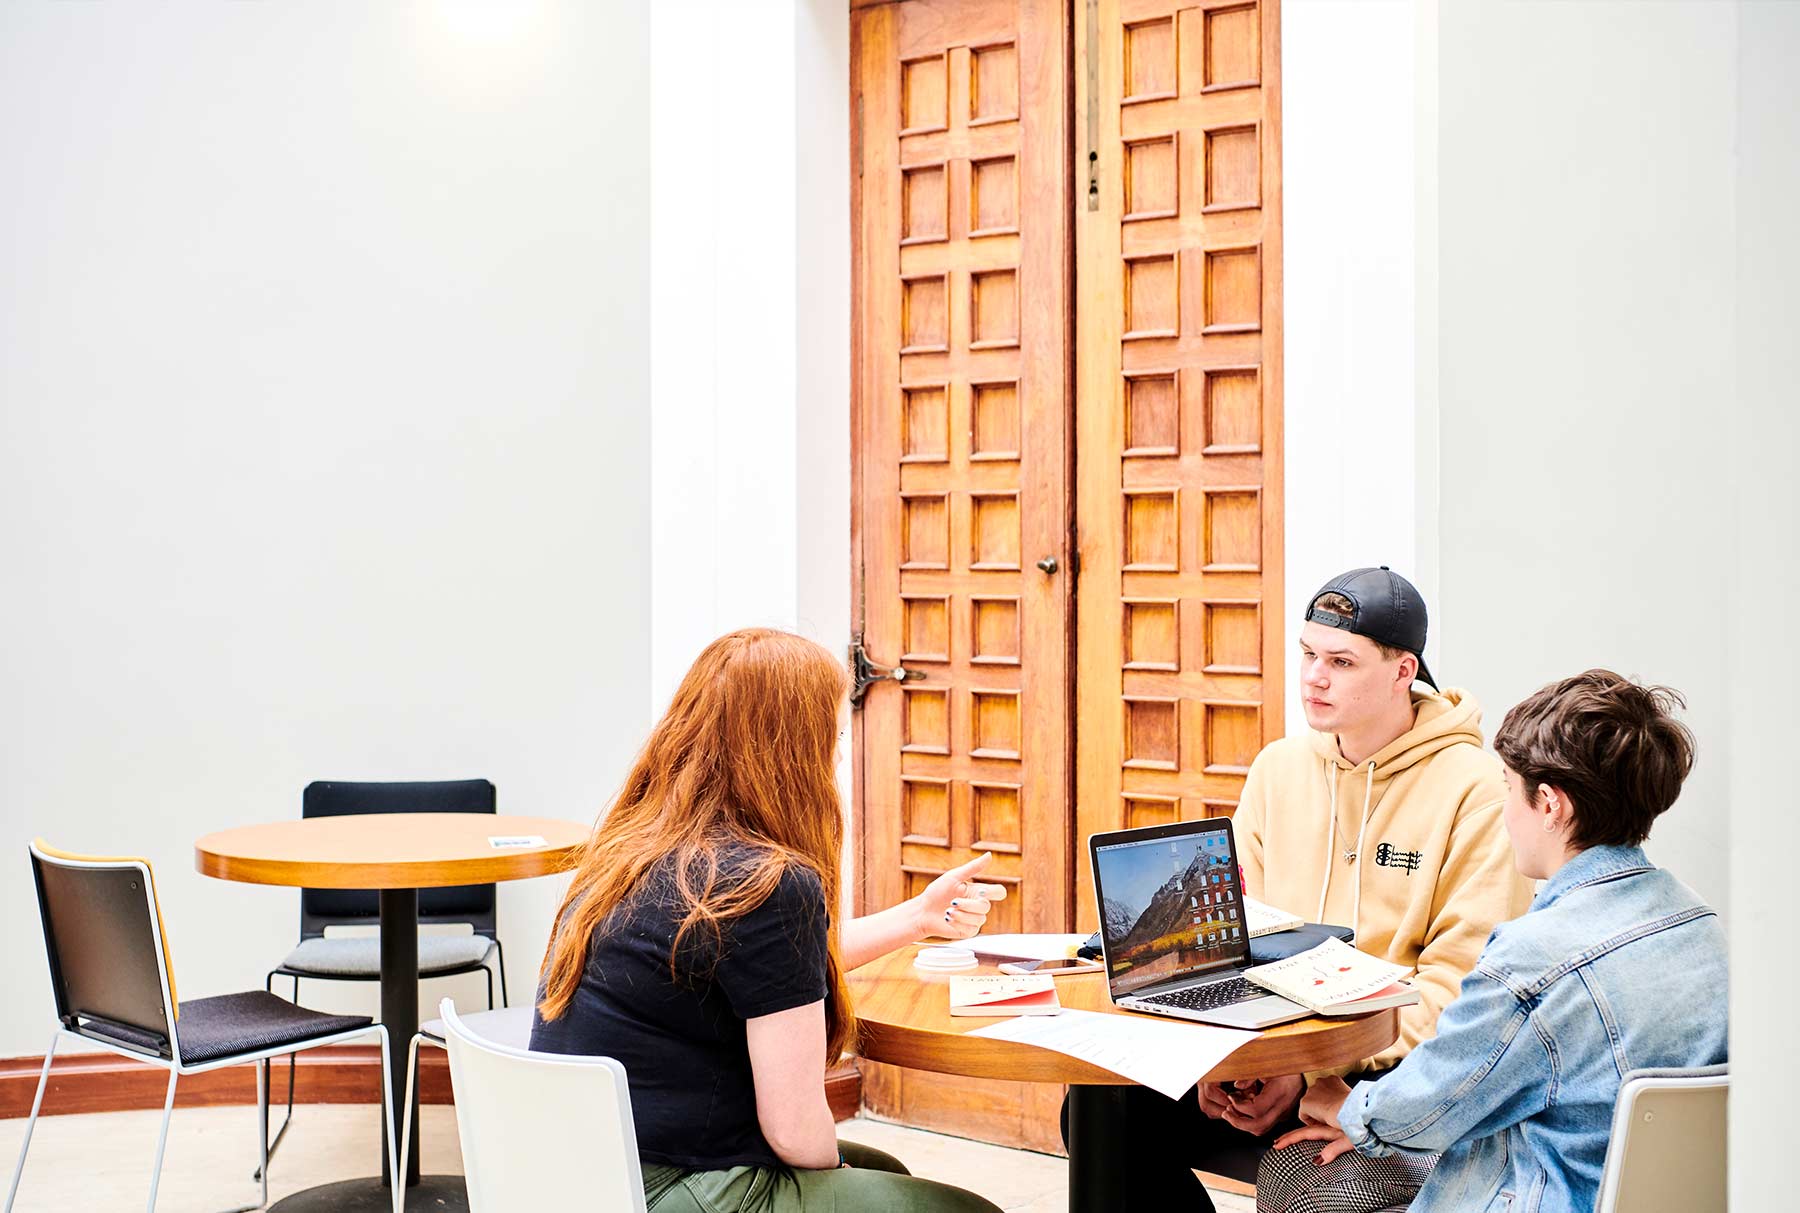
1385 607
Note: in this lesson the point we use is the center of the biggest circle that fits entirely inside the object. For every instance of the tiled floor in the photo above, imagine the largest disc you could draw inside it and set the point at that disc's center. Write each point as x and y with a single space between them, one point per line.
103 1161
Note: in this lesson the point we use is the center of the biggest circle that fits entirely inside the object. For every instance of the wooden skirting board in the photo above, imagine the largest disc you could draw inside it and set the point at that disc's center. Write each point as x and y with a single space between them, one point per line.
106 1082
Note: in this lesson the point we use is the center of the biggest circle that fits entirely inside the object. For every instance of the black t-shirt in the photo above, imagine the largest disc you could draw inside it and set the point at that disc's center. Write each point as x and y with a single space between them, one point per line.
681 1040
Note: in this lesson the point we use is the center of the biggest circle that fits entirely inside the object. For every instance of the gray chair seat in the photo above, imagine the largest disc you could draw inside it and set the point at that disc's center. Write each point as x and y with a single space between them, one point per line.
361 956
214 1028
509 1026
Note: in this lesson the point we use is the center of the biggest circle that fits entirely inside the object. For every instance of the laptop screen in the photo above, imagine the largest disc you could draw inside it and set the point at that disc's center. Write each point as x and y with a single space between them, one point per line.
1170 902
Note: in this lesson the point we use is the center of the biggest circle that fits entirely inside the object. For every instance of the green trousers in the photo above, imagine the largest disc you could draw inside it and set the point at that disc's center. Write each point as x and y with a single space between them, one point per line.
873 1183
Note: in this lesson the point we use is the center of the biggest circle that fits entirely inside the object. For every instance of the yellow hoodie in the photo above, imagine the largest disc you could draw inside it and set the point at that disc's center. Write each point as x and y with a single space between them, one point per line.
1432 872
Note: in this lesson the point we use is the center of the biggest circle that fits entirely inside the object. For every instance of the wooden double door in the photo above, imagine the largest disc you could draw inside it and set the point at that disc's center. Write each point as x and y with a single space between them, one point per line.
1067 513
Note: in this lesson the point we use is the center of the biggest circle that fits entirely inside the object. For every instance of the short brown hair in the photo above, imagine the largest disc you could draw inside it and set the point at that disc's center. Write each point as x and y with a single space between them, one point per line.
1333 603
1614 745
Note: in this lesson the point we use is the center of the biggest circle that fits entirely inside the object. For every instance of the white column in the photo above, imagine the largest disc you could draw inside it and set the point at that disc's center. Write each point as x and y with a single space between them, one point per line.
1759 789
684 320
750 325
1588 360
1426 496
1353 464
822 336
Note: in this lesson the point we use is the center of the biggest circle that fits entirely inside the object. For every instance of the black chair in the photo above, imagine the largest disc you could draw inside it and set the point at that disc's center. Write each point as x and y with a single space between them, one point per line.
115 988
318 958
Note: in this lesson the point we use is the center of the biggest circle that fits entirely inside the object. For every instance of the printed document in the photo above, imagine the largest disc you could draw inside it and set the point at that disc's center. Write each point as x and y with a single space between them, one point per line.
1164 1056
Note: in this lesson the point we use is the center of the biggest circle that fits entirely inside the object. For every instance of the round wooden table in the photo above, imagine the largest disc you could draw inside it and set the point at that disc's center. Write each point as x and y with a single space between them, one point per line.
905 1020
396 854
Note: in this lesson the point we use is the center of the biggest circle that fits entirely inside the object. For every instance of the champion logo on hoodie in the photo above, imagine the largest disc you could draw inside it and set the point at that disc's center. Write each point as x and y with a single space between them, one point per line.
1387 855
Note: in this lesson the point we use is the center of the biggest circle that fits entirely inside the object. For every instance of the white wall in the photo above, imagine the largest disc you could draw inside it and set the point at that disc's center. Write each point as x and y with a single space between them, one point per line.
1587 363
1759 593
1350 276
322 444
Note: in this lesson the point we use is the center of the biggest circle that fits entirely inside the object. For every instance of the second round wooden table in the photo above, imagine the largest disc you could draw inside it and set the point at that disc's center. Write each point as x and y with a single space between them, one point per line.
905 1020
396 854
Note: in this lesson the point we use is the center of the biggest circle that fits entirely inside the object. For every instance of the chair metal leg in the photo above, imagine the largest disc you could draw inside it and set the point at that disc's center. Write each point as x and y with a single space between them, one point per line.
387 1101
37 1101
275 1142
269 985
500 952
489 974
162 1140
293 1060
262 1121
412 1076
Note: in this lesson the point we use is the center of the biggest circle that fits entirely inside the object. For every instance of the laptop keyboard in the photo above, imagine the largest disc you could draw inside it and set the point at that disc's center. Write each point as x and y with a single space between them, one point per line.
1210 997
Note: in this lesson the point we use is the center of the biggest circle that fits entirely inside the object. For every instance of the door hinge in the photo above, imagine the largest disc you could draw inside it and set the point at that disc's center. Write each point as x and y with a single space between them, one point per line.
866 673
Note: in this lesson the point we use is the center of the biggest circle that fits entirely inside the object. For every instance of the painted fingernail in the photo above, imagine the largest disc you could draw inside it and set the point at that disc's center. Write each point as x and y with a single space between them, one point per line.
954 902
946 915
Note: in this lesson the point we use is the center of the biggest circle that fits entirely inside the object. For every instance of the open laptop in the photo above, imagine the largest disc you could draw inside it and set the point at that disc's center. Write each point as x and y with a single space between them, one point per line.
1172 926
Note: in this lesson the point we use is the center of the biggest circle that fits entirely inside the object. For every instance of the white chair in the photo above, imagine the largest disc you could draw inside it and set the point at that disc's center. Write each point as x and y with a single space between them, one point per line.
509 1026
1667 1153
115 988
516 1108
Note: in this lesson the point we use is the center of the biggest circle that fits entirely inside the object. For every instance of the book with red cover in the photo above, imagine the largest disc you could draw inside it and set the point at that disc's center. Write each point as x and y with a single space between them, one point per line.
1025 994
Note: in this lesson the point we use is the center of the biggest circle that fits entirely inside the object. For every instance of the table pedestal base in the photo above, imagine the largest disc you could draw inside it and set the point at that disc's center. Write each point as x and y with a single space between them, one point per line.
435 1193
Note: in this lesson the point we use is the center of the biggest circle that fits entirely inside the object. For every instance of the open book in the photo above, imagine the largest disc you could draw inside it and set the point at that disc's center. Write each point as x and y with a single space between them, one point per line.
1336 979
1265 919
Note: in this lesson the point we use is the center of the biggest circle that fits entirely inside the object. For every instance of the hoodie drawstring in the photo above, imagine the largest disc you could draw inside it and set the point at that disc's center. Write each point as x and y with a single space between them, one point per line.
1331 841
1356 896
1330 837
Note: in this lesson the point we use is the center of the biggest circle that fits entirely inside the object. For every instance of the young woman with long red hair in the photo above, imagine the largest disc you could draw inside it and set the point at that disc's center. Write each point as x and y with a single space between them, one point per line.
699 944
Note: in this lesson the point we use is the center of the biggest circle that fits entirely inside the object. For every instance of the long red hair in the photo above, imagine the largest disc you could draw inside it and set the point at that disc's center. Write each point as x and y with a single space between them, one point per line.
744 757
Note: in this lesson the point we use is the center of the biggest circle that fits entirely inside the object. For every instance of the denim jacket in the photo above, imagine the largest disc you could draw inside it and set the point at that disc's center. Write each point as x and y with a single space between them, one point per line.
1617 966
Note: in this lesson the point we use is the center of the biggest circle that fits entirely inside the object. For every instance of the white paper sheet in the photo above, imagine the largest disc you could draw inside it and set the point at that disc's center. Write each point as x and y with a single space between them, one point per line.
1165 1056
1025 947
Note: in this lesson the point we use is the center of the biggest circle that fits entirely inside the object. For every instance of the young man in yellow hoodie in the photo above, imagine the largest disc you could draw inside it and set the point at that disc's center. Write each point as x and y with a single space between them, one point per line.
1386 818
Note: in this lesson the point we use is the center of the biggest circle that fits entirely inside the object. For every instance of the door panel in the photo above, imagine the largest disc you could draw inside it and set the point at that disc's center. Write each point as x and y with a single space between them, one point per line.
963 263
1179 427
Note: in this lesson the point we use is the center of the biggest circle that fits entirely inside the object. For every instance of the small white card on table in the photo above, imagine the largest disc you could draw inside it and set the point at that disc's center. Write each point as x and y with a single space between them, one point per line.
516 842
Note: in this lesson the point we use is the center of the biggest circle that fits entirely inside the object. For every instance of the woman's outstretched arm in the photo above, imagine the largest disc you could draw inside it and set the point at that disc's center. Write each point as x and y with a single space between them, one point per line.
954 906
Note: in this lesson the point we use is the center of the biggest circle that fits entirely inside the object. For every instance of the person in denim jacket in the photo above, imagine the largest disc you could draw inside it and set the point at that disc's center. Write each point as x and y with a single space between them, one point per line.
1617 966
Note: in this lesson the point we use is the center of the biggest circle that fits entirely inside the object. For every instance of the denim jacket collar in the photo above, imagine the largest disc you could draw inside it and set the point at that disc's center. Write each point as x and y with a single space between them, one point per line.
1590 867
